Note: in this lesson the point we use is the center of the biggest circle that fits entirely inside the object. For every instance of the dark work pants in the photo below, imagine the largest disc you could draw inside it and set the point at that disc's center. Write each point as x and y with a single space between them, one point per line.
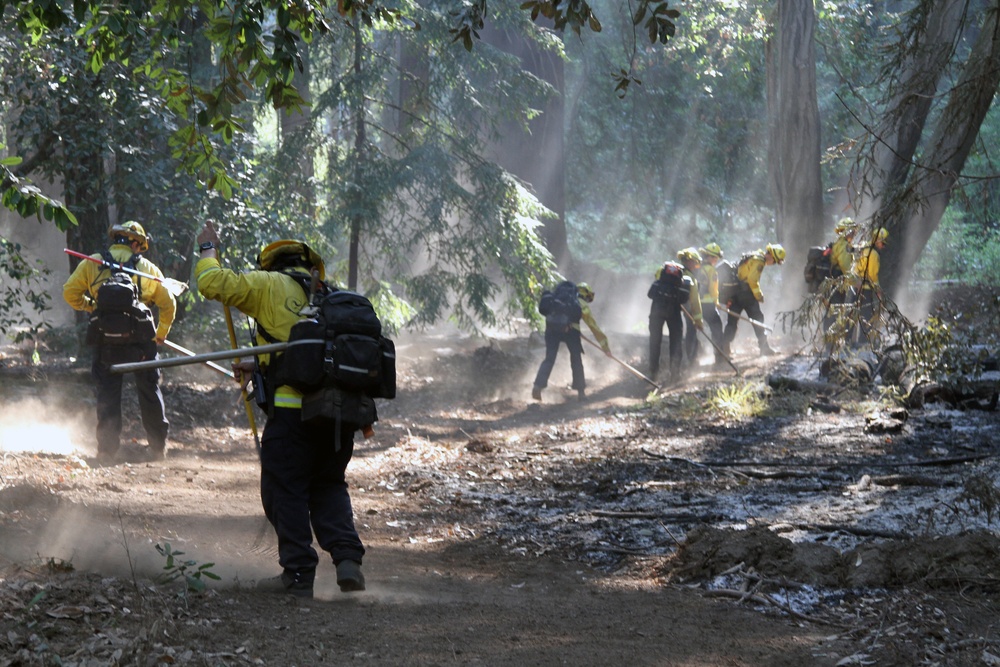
304 491
870 311
574 344
108 391
837 299
745 302
671 316
714 322
690 342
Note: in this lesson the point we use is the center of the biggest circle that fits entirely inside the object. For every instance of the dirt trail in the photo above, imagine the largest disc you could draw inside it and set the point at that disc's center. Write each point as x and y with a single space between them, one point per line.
503 532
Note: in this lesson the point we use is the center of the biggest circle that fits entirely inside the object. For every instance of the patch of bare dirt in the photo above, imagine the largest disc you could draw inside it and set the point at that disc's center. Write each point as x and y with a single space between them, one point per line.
501 531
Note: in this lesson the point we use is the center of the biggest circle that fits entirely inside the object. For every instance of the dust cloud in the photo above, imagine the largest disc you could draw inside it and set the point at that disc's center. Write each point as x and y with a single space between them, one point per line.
34 425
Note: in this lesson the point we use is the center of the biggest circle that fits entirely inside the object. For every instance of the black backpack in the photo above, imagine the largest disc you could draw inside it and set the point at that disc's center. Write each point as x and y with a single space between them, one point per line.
354 363
672 288
561 306
819 266
729 281
120 317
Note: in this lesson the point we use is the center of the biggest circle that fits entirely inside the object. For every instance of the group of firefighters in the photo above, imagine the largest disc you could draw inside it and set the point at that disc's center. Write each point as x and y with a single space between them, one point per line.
303 487
738 298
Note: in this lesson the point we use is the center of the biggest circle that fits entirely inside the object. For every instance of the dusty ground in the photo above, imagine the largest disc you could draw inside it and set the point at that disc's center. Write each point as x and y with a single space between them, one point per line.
627 529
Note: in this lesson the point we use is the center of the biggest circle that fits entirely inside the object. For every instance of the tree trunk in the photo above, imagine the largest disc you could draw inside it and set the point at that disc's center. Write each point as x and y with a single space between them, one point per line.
794 149
930 185
360 141
295 138
927 48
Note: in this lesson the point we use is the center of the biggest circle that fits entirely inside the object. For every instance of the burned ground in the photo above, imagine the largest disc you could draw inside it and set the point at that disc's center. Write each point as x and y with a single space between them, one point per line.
649 529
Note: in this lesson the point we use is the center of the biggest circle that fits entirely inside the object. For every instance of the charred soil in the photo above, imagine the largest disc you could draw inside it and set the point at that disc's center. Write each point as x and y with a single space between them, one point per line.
820 528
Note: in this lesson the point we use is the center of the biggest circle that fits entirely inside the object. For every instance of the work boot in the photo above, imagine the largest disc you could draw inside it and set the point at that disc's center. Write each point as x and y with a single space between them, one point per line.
103 459
299 584
767 351
536 393
349 576
148 454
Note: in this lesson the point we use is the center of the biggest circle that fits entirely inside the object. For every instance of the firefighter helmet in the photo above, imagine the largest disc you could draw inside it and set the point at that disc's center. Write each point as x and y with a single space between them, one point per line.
287 253
712 249
587 294
776 251
689 255
846 227
129 231
881 235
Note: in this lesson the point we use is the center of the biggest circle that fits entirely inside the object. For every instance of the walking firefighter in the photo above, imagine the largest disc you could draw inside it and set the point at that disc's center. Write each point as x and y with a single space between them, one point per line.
117 287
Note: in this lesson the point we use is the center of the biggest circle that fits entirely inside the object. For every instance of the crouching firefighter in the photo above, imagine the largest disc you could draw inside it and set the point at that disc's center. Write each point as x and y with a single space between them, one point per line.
563 308
315 398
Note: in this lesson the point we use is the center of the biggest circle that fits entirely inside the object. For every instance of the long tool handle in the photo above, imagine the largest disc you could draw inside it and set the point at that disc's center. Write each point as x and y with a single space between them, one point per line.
175 287
253 350
709 339
629 368
243 388
744 317
211 364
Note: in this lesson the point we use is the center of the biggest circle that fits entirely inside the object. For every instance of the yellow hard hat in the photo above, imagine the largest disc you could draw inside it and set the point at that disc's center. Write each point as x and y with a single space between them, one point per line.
689 254
845 227
289 252
132 231
587 294
776 251
712 249
881 234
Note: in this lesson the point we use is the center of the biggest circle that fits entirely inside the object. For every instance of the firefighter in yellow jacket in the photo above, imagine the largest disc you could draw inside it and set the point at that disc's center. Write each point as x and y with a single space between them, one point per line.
748 296
841 263
690 259
842 253
674 290
708 287
868 292
128 241
302 473
560 329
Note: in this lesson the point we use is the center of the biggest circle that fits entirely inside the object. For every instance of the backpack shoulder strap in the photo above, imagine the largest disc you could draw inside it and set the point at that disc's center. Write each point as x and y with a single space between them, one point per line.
130 263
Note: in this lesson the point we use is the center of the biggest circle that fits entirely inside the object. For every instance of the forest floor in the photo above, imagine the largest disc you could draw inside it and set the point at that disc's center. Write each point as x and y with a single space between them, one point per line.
629 528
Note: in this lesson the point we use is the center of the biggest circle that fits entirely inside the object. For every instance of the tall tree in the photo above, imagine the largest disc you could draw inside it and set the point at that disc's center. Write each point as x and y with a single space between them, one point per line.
794 131
914 211
925 50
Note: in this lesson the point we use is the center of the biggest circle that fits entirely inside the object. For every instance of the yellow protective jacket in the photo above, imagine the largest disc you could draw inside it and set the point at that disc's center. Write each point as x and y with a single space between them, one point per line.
80 290
750 270
842 255
866 267
588 317
694 300
274 300
710 279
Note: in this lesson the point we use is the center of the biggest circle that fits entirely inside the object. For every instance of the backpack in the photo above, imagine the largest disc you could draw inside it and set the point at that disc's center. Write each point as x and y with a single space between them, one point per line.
729 281
819 266
561 306
120 317
672 287
354 364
